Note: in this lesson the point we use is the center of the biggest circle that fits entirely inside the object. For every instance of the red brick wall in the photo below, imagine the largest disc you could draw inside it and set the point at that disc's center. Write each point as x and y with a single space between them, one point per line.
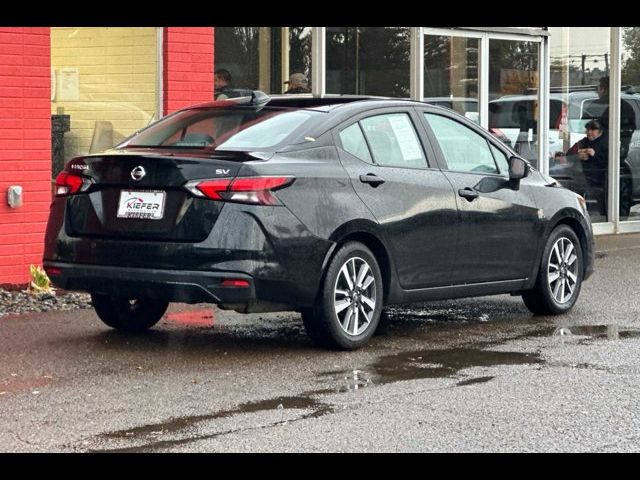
188 67
25 147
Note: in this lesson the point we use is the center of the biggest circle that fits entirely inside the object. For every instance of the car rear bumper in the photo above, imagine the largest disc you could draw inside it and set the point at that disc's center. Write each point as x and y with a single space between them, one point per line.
281 259
170 285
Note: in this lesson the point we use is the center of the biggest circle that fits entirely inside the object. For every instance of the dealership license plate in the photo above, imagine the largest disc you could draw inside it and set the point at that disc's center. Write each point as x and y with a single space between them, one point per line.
146 205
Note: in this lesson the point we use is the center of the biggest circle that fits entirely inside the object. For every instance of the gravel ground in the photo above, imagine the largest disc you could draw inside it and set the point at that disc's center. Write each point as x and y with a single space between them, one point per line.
22 301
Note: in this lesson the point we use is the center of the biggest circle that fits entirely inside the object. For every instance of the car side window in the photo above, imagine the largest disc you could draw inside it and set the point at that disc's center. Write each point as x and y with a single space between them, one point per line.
464 150
353 141
501 159
394 141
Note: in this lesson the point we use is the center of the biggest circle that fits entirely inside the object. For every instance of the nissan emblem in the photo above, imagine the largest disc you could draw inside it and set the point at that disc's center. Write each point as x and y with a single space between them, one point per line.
138 173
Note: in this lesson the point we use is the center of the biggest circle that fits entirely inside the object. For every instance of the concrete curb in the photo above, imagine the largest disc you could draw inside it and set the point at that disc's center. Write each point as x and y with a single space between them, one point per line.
610 243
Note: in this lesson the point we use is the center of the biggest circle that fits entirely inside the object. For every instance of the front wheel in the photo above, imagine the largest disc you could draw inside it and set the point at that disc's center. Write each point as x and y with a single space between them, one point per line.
128 314
560 275
347 310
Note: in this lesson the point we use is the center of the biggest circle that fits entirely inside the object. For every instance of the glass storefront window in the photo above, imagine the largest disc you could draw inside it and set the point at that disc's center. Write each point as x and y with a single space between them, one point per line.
579 95
451 73
300 51
368 60
256 58
630 125
104 87
513 95
237 51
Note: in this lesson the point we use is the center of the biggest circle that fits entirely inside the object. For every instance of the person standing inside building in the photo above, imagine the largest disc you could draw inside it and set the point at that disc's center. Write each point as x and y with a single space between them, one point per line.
592 153
298 83
222 84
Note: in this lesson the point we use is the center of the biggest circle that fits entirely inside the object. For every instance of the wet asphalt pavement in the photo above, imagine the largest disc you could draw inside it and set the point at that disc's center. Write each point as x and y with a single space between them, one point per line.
466 375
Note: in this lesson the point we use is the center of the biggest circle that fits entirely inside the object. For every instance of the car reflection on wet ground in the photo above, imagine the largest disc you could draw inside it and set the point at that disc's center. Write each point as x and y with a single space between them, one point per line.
470 375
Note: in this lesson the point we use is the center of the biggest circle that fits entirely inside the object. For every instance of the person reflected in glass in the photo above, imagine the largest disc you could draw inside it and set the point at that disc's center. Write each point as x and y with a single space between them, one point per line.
297 83
627 117
589 157
222 84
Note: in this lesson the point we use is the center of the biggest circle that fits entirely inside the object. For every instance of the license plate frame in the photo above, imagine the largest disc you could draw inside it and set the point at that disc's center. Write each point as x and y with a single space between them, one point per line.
141 204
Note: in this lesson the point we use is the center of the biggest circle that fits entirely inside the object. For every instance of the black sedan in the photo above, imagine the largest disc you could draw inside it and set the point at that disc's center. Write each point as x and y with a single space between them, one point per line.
334 207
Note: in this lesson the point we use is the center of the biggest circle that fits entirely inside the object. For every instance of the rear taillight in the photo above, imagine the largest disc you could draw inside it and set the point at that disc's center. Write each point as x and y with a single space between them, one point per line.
236 283
254 190
53 271
70 183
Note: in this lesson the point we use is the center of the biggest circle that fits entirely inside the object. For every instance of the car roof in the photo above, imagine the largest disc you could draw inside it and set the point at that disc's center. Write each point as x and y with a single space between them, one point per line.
324 103
310 101
449 99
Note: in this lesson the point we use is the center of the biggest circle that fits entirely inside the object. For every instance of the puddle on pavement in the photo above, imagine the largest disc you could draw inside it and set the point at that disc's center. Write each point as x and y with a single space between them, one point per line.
609 332
426 364
416 365
181 425
434 315
473 381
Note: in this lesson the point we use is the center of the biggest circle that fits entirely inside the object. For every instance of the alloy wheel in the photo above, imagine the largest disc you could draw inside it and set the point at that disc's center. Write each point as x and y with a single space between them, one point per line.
354 296
562 270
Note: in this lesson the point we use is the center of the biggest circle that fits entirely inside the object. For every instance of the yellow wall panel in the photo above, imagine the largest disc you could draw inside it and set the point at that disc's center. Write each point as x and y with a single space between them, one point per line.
105 78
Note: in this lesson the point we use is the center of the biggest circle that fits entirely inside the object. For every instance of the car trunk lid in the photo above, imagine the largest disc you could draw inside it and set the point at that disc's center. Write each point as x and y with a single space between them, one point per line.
141 195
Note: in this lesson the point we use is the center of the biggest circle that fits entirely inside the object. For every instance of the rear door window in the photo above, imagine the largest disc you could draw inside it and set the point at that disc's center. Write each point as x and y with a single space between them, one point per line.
393 140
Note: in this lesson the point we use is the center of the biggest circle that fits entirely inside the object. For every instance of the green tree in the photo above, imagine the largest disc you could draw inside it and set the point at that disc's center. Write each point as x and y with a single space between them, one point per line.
368 60
631 64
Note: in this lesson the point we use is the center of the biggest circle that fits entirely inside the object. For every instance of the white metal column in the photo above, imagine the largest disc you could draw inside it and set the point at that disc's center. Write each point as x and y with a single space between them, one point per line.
416 81
613 200
483 90
318 61
543 105
284 56
160 73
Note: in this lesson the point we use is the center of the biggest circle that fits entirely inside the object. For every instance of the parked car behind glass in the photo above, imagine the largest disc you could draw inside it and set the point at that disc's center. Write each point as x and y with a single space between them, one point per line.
335 207
510 113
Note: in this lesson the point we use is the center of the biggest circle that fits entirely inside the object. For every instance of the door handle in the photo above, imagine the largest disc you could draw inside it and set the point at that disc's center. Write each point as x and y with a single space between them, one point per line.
371 179
468 193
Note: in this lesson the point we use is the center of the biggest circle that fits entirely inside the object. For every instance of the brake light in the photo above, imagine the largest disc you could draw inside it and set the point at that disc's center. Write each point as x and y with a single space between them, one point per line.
212 188
55 271
253 190
68 184
235 283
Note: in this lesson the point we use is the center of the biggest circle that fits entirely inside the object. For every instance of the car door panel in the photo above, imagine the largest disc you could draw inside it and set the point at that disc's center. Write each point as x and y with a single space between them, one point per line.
498 223
417 213
497 230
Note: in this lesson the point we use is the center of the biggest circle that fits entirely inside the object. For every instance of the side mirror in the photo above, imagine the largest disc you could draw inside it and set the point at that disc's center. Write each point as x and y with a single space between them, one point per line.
518 168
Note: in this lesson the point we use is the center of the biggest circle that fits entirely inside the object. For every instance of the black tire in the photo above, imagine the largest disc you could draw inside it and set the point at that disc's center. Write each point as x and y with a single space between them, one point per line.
128 315
548 295
329 328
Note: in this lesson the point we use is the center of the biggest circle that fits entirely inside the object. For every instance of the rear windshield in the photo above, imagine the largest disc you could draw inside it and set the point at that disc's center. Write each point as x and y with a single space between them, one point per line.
223 129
